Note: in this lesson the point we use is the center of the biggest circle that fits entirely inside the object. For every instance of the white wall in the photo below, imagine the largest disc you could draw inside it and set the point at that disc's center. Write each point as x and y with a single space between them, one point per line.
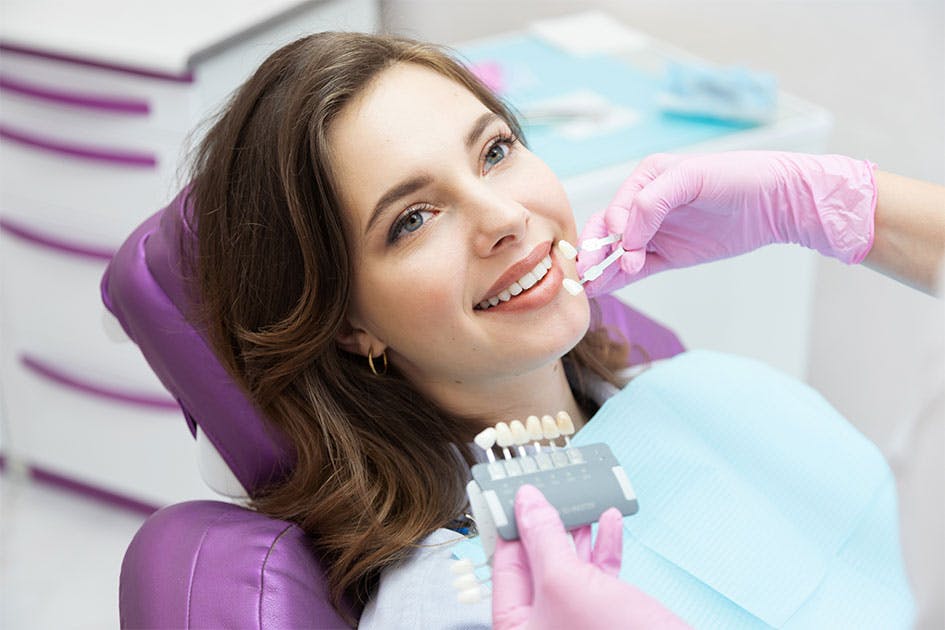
880 68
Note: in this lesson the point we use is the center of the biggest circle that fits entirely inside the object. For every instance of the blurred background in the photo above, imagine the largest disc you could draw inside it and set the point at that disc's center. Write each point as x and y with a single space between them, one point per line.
869 82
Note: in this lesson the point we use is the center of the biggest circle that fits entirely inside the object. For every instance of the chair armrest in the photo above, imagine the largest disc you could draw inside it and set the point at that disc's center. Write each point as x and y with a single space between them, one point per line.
208 564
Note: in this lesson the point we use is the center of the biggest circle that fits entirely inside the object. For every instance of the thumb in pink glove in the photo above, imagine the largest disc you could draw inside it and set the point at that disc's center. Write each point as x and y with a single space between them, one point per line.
540 582
680 210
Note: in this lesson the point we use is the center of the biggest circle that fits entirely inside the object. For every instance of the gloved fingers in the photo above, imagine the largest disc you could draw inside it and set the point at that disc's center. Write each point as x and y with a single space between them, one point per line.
632 262
608 548
582 542
673 188
512 585
616 217
654 263
645 172
594 228
541 532
651 167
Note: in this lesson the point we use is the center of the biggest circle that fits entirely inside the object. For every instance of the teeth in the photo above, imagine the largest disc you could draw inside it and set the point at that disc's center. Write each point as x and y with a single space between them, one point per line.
528 281
524 283
567 250
503 435
486 438
572 286
564 422
533 426
519 433
549 427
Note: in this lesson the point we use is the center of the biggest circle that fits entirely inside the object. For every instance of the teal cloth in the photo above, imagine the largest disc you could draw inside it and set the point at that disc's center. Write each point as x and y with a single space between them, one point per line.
760 505
535 71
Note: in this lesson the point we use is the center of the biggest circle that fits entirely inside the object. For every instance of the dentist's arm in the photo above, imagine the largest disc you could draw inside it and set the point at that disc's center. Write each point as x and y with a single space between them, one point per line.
542 581
909 240
679 210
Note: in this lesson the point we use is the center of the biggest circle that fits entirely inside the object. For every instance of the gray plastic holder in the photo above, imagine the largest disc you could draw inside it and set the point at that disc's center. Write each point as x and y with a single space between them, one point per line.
581 482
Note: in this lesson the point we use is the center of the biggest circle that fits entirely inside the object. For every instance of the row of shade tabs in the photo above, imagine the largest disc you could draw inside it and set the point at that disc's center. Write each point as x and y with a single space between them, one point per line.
516 434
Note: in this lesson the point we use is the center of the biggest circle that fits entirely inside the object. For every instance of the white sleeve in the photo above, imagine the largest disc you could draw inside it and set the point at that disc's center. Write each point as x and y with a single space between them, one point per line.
419 593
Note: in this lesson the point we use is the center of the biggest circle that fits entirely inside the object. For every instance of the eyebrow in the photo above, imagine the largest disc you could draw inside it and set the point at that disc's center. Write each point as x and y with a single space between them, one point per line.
410 186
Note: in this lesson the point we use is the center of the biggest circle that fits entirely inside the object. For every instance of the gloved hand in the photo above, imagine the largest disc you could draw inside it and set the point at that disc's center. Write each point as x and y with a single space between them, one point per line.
541 582
681 210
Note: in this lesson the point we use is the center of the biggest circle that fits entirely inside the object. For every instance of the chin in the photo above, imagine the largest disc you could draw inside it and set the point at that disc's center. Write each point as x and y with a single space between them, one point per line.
566 329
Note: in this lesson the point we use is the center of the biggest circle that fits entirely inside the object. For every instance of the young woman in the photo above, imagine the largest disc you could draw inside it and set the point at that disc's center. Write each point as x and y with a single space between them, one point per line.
346 292
376 266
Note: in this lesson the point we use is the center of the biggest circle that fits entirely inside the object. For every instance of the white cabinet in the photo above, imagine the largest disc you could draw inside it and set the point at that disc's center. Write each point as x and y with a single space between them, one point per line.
97 104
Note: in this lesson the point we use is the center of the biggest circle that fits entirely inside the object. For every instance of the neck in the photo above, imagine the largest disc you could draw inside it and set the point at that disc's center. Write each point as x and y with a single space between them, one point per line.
544 391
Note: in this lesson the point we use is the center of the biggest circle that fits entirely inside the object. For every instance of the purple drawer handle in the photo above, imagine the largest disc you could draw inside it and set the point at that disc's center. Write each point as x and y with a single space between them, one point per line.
34 237
185 77
74 99
59 376
124 158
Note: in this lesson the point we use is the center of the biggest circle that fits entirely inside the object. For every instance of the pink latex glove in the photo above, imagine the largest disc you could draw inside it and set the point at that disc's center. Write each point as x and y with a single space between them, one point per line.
541 582
681 210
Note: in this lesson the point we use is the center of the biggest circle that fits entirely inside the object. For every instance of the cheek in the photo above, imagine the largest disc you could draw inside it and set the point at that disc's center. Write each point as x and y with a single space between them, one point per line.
412 297
541 190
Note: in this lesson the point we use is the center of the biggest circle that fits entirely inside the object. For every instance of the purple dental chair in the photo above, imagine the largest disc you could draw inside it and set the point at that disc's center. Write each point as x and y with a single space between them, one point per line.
214 564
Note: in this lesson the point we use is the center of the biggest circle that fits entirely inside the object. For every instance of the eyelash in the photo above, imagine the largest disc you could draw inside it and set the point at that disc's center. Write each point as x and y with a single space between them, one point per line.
395 230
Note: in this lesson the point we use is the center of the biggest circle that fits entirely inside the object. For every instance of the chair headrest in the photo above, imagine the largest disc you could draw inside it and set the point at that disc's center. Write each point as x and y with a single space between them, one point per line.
145 288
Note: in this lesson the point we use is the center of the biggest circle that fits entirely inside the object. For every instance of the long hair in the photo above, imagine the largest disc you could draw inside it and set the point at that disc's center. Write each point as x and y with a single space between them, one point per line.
376 466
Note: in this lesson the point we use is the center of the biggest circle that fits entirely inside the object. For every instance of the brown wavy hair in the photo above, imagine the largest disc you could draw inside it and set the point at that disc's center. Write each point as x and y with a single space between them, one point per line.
377 465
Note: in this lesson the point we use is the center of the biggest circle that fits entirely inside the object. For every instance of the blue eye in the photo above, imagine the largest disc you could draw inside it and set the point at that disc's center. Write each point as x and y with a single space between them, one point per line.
410 221
497 152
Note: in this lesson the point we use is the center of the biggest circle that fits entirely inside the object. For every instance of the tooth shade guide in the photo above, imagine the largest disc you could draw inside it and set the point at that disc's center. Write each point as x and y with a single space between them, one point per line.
565 426
519 436
597 270
567 250
593 244
533 426
572 286
550 430
503 437
465 581
485 440
470 596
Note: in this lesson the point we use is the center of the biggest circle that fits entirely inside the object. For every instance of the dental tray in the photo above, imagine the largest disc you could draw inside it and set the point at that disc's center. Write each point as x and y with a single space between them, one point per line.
581 482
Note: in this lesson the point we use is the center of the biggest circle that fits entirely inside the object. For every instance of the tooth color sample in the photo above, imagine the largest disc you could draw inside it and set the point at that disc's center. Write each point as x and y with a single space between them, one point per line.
572 286
567 250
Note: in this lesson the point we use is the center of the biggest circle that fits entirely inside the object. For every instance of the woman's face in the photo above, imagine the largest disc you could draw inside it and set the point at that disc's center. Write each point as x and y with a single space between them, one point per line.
446 210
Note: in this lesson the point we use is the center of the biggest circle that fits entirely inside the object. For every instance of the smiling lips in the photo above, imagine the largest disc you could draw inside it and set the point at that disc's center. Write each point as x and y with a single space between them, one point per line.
524 283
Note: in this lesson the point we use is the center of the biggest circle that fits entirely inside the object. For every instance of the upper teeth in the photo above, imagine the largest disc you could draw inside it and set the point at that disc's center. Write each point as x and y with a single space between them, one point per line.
524 283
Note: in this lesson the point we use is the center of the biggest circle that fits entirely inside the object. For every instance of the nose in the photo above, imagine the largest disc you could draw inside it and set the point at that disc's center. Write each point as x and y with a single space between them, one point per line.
499 221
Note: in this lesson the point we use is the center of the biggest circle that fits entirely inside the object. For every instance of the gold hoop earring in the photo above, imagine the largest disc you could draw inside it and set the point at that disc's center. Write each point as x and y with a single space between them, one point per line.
370 360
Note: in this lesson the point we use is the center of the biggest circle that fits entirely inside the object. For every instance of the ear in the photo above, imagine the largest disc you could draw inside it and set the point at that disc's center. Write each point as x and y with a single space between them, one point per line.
358 340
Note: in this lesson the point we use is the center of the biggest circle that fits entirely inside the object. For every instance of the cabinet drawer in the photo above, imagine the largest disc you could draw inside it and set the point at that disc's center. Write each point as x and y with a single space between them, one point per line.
100 197
141 452
83 119
61 90
52 309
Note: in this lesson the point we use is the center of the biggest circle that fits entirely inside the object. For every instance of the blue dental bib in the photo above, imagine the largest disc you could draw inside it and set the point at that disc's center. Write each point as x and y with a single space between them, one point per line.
760 506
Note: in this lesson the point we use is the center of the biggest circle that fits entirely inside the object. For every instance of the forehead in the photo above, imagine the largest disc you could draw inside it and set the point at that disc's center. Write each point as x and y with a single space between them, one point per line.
409 118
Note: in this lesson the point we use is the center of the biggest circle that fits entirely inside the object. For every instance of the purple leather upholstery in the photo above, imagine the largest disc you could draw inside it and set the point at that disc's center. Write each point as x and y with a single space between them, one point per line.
207 564
143 286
